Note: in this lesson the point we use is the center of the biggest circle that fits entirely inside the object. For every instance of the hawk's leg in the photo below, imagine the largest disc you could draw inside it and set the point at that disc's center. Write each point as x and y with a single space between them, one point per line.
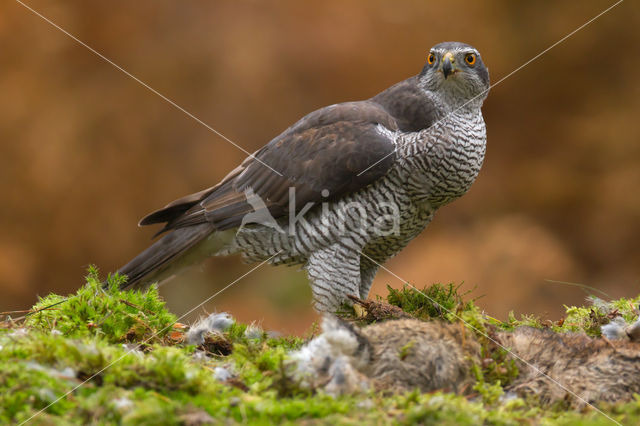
334 273
368 272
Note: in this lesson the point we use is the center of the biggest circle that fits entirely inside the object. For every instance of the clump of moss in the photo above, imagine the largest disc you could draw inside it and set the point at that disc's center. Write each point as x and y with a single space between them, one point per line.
496 367
629 309
435 301
581 319
587 319
525 321
69 377
115 315
590 319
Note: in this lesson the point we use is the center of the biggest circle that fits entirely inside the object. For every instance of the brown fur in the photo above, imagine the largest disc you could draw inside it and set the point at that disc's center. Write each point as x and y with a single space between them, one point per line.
593 369
408 354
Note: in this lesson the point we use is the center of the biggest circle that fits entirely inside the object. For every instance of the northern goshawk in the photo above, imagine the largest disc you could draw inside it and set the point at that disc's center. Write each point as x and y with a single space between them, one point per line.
343 189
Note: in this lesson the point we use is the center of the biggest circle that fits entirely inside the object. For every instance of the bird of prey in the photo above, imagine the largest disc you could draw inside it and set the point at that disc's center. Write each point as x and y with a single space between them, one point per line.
343 189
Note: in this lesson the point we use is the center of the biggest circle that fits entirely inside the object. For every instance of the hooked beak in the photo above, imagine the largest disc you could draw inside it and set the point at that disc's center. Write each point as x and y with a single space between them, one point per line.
448 64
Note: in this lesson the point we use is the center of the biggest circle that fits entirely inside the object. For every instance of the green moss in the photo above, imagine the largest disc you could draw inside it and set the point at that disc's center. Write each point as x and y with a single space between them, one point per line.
525 321
110 313
406 350
628 308
436 301
111 357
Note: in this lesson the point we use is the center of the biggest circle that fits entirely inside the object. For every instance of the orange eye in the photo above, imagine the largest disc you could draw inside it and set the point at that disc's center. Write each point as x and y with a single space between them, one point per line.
431 58
470 59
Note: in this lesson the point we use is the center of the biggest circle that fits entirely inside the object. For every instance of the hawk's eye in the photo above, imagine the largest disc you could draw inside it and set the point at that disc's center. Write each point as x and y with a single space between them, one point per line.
431 58
470 59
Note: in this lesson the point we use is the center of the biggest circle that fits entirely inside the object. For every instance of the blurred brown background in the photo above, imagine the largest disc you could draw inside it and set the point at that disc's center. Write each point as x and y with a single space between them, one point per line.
86 151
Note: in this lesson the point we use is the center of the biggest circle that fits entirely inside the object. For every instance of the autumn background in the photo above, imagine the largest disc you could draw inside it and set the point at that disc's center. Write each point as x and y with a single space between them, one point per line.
86 151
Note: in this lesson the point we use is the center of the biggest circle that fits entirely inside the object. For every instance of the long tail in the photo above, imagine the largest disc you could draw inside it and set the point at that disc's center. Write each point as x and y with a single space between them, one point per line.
152 262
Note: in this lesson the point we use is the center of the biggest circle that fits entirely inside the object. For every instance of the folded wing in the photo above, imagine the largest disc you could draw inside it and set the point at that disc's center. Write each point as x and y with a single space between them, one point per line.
338 149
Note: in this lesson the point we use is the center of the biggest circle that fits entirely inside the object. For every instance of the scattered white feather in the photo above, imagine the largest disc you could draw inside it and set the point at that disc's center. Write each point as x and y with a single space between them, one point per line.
46 394
214 323
220 322
341 339
274 334
618 329
65 373
310 359
633 331
615 329
508 396
200 356
222 374
253 332
134 349
18 332
123 403
602 305
330 358
367 404
344 378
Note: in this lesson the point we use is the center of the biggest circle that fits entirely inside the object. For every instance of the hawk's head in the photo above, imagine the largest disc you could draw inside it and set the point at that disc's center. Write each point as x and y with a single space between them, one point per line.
456 69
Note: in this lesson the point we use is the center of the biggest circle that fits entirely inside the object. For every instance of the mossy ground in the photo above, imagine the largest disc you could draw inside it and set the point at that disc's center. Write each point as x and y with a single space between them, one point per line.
105 357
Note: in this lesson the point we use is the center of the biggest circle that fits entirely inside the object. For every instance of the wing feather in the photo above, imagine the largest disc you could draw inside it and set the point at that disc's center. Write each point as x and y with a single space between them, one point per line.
326 150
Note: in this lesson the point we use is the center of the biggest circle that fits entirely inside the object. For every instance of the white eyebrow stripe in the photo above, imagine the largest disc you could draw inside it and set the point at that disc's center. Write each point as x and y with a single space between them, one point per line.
456 50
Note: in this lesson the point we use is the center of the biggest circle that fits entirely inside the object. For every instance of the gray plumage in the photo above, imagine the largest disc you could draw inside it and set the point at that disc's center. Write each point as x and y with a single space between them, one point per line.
353 183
